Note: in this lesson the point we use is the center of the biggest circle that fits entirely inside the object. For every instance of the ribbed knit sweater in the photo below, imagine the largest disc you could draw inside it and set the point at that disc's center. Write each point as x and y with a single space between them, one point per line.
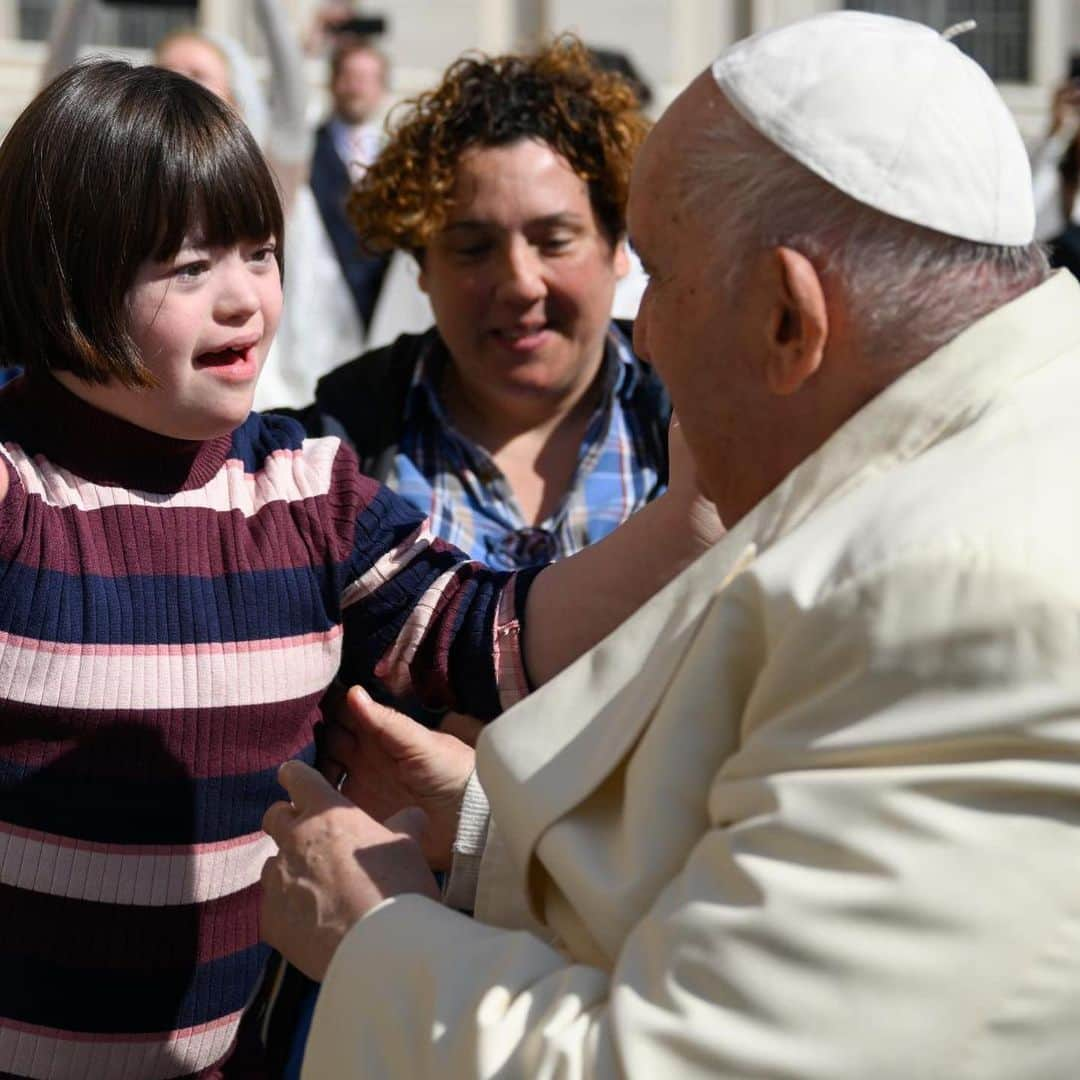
170 616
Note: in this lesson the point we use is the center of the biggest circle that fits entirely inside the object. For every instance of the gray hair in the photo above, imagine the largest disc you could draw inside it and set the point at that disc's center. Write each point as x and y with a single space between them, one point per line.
909 290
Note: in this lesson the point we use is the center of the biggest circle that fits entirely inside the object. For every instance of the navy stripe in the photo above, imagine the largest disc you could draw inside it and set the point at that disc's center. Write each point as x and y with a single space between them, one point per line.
145 610
100 1001
165 807
261 435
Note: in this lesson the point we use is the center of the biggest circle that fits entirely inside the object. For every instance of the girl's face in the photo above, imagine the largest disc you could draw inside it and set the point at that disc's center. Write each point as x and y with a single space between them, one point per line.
203 323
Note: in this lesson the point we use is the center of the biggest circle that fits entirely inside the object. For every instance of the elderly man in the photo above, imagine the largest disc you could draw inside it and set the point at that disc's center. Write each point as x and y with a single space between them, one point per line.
814 810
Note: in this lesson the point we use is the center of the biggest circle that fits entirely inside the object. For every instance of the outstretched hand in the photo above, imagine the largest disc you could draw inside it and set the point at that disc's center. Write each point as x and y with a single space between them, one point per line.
334 864
392 762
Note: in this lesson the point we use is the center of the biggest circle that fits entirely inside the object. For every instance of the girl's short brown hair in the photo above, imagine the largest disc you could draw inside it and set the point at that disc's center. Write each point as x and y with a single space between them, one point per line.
557 96
111 165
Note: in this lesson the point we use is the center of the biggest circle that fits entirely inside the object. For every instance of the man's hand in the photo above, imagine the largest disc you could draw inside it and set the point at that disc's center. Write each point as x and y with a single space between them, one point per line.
334 865
393 762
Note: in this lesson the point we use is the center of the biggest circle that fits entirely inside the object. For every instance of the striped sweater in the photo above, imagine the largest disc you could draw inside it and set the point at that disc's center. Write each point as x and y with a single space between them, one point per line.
170 616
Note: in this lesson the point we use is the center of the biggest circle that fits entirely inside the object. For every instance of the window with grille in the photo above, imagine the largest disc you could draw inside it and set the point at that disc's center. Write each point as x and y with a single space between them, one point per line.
1000 42
134 25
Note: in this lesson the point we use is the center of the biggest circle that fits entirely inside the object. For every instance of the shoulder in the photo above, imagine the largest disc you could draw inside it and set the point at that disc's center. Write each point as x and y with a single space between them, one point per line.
978 531
369 371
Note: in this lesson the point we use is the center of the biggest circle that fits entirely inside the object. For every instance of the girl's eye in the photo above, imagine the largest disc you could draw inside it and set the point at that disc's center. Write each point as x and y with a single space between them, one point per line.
264 254
191 270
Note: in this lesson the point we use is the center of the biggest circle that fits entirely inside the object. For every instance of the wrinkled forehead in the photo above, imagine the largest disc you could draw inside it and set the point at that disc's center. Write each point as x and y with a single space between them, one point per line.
660 166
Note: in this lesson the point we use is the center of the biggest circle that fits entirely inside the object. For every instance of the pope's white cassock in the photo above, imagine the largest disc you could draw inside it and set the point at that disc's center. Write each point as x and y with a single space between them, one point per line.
814 811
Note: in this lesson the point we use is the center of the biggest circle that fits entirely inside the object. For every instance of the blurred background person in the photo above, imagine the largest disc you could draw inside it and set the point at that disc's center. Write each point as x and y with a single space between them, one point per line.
223 66
332 283
1055 195
1055 173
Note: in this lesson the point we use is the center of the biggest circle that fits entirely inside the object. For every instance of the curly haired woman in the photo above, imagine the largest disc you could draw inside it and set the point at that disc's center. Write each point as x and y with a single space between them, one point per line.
522 423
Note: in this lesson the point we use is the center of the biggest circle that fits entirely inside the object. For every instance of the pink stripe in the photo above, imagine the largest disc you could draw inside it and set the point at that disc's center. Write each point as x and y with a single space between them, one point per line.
225 648
506 650
58 866
209 676
388 565
286 476
393 668
138 1037
96 847
47 1054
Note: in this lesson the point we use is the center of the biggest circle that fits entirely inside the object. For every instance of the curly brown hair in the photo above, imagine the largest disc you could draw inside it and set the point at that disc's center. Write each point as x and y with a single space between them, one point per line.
557 96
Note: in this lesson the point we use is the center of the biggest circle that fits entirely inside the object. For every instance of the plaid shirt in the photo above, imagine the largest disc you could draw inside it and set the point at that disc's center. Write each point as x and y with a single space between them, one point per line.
470 504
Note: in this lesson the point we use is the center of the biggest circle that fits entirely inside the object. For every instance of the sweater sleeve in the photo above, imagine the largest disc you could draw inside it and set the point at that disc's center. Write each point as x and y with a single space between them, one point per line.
12 510
420 616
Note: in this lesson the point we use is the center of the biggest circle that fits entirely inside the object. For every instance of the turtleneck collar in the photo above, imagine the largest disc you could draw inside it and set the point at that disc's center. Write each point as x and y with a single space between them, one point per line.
101 447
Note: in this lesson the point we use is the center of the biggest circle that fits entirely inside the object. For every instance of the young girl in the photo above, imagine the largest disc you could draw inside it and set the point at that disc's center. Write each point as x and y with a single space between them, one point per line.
175 575
180 579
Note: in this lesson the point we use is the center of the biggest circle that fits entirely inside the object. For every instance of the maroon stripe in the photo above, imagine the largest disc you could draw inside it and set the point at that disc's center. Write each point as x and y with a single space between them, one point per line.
119 541
75 934
116 745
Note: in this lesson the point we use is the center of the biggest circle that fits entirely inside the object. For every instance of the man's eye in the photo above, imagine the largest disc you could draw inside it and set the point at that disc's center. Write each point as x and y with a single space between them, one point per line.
472 251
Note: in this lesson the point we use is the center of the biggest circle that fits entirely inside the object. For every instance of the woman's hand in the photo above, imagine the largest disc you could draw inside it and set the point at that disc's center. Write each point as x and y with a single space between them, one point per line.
392 762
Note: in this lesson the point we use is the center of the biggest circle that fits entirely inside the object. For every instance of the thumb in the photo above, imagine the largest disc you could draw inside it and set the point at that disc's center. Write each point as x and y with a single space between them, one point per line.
412 822
308 790
399 734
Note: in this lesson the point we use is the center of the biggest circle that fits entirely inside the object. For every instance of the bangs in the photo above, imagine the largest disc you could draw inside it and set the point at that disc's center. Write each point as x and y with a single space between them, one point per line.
211 180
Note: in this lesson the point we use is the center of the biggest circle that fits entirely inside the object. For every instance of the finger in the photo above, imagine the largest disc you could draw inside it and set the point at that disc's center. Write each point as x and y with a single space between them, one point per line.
278 821
308 790
398 734
412 822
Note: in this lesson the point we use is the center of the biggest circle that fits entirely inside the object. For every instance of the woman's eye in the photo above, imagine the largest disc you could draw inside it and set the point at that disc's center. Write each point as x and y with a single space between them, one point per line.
264 254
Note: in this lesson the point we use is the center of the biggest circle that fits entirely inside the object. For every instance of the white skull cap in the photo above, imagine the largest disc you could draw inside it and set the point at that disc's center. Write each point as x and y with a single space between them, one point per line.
891 113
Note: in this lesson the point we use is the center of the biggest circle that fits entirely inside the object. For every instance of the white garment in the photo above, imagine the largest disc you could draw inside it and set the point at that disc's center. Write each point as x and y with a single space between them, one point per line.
813 812
319 328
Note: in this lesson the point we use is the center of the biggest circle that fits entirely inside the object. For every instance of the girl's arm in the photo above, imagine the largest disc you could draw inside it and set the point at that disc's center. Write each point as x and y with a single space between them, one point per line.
288 143
70 31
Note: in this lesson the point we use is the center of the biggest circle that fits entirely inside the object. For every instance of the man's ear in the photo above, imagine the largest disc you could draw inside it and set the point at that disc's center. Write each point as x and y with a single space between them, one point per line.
421 277
798 322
